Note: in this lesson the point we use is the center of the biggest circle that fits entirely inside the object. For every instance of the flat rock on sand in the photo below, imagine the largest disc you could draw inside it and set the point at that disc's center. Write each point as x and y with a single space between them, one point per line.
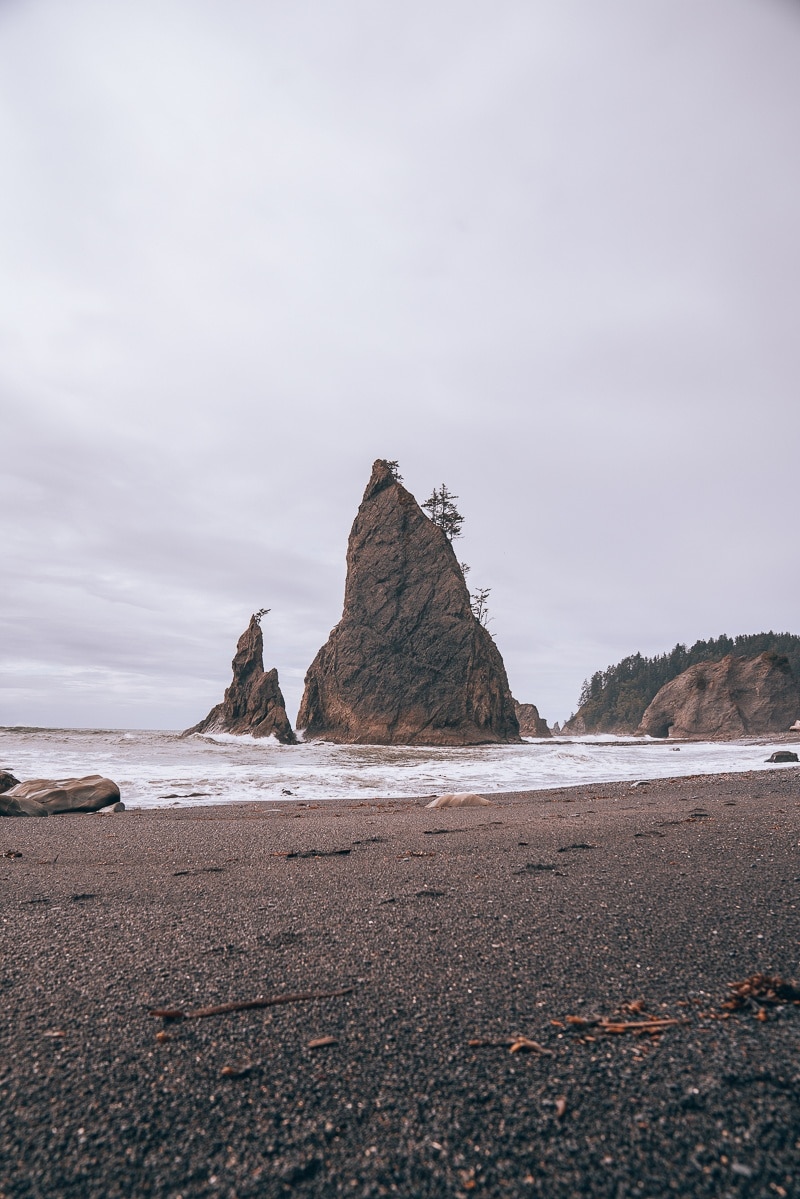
464 952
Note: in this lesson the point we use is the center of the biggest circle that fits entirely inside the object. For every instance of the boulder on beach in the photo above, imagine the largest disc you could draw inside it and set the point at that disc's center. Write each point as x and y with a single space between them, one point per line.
20 806
408 663
7 781
43 797
735 697
783 755
460 799
795 728
531 723
253 702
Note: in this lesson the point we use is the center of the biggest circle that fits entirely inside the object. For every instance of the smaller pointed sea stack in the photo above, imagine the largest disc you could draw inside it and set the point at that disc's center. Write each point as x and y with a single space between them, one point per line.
408 663
531 723
253 703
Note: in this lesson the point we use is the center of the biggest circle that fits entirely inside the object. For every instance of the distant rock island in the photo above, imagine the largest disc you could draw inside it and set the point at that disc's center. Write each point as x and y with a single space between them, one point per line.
531 723
408 663
614 700
737 697
253 702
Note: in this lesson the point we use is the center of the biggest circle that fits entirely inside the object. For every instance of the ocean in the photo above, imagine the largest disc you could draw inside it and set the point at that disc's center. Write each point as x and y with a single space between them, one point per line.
161 769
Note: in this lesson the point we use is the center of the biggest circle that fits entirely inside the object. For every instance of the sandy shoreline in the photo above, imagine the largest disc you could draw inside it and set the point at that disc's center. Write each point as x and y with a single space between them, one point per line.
450 927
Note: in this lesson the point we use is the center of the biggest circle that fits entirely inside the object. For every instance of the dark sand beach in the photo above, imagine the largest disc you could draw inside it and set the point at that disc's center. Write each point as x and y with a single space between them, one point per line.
445 927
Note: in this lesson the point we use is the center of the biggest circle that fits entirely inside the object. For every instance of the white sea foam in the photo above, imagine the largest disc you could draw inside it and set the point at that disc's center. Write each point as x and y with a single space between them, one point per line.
160 769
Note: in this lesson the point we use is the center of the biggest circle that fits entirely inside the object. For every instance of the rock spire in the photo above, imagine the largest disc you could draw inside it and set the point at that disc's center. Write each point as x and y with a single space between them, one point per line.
253 702
408 663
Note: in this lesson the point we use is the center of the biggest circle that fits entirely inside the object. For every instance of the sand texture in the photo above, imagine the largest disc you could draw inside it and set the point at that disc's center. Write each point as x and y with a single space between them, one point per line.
442 928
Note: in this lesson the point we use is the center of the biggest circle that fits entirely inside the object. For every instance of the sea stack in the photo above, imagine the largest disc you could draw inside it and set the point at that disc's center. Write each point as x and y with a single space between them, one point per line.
531 724
408 663
736 697
253 703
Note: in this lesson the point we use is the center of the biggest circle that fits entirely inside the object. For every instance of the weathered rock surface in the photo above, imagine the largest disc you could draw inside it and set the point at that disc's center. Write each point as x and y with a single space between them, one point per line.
783 755
460 799
7 781
795 728
253 702
20 806
531 723
408 664
88 794
735 697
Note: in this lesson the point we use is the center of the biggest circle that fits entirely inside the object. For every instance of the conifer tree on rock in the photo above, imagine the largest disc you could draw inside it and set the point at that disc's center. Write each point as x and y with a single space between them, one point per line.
408 664
254 702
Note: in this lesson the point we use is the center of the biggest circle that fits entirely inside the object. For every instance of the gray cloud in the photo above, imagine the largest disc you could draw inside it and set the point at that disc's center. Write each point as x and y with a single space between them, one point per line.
547 253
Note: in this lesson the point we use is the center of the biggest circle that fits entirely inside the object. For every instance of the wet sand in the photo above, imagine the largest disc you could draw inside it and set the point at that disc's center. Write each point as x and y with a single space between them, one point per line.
446 927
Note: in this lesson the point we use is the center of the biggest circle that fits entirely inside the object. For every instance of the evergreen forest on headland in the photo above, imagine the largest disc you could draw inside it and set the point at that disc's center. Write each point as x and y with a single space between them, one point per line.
614 700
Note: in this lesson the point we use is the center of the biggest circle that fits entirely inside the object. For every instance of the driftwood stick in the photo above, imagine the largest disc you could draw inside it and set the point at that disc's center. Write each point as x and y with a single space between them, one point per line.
246 1005
637 1026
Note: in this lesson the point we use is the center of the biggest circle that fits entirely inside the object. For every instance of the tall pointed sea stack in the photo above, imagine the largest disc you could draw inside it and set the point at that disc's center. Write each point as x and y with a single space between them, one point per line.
253 703
408 663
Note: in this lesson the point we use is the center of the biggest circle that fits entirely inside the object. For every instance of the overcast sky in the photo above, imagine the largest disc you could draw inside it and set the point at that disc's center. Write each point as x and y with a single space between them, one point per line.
545 251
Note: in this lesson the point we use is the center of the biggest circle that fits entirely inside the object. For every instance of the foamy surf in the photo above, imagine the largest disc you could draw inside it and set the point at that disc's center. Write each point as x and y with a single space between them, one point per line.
161 769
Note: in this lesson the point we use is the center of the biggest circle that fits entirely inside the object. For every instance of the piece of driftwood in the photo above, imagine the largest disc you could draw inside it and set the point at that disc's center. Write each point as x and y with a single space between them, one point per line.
245 1005
610 1025
517 1044
636 1026
311 853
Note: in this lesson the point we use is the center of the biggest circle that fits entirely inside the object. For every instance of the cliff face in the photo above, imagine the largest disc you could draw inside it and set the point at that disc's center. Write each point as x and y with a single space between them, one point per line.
530 722
253 702
408 664
736 697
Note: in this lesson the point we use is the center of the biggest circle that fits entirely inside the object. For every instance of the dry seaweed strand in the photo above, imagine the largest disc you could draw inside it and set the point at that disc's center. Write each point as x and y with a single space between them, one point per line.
246 1005
518 1044
769 989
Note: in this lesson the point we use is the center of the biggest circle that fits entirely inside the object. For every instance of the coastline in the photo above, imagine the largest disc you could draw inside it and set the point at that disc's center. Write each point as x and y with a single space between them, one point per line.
158 770
450 926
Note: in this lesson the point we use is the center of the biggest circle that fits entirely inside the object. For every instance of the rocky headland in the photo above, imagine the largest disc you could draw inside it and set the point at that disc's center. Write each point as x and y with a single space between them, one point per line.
736 697
408 663
253 702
